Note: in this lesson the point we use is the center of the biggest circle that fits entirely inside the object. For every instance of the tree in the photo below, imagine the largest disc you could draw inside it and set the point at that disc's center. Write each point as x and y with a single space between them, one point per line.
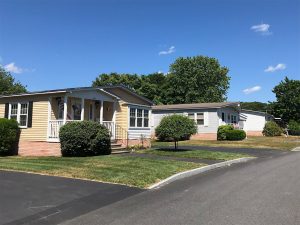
191 79
196 79
8 85
255 106
175 128
287 104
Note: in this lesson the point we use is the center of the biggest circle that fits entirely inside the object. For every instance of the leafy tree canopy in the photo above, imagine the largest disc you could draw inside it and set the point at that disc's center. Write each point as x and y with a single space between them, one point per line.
256 106
8 85
287 104
191 79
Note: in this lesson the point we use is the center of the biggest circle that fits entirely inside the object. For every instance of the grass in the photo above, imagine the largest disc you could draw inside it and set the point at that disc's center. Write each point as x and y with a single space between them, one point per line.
282 143
197 154
139 172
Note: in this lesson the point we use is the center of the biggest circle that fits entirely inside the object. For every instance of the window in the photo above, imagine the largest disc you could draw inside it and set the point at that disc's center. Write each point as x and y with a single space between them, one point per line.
60 109
191 116
233 119
146 118
138 117
91 112
132 117
200 118
197 117
19 112
223 117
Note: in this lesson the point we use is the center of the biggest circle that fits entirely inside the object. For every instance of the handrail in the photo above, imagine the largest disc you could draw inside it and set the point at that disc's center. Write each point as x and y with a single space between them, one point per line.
122 134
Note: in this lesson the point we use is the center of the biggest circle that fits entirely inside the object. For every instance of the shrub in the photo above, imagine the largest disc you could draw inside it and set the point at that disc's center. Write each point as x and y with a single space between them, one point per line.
294 128
9 136
272 129
175 128
235 135
84 138
221 134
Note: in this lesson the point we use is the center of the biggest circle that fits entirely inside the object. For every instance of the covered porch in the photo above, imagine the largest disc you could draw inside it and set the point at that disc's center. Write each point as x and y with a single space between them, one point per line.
79 106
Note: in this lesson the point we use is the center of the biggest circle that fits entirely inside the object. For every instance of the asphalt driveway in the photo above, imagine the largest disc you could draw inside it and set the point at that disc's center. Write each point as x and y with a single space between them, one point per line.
37 199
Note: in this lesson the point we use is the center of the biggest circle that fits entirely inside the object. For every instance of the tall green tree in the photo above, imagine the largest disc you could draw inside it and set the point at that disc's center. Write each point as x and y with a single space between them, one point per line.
287 104
256 106
8 85
196 79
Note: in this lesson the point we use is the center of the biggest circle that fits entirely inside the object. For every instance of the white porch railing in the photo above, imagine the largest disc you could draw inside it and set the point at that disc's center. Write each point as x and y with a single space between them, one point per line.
55 125
110 125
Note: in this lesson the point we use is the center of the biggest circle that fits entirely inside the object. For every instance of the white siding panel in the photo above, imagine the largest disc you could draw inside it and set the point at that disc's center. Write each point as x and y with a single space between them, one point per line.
254 122
136 133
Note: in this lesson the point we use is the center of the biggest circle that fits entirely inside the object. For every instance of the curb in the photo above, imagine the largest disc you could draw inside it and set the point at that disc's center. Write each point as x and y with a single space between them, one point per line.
198 171
297 149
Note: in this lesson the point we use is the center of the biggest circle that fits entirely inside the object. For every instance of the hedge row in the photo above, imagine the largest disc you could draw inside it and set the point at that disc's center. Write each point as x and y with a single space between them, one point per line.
227 132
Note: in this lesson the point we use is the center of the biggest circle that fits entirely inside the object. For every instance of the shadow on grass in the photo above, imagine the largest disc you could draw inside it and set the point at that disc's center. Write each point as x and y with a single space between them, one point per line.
172 150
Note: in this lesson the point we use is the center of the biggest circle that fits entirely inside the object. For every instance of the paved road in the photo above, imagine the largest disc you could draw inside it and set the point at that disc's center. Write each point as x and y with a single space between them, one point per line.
264 191
35 199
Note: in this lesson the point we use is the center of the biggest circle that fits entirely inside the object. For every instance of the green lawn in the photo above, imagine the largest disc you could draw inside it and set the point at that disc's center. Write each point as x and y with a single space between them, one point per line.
197 154
139 172
283 143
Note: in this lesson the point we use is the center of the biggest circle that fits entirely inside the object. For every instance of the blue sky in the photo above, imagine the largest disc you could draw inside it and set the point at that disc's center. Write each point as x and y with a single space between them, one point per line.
63 43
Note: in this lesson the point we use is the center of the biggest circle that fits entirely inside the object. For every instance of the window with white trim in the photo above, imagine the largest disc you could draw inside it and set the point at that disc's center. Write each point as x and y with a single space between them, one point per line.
19 112
197 117
138 117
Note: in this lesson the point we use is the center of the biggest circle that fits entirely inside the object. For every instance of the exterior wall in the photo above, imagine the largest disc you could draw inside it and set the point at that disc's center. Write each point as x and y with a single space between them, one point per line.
146 143
254 122
38 131
254 133
122 115
210 116
39 148
204 136
228 112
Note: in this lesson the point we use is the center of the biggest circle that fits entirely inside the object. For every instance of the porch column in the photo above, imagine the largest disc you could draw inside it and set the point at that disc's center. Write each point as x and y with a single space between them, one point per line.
114 112
49 115
65 109
82 109
101 112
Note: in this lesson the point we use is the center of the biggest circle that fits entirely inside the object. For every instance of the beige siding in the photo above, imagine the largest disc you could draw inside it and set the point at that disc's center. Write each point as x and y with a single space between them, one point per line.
122 115
38 131
2 110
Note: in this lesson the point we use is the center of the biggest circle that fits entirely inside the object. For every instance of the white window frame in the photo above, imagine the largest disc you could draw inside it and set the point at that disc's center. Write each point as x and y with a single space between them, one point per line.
19 112
136 117
195 118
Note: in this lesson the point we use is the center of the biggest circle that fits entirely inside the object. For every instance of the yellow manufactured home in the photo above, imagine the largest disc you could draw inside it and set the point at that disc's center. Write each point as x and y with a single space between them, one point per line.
41 115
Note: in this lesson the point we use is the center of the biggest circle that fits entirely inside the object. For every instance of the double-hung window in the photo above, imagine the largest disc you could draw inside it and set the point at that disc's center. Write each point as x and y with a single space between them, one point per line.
19 112
197 117
138 117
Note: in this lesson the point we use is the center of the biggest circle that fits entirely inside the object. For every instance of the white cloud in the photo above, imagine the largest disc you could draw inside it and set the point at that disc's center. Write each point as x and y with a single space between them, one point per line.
272 69
11 67
262 28
167 52
252 89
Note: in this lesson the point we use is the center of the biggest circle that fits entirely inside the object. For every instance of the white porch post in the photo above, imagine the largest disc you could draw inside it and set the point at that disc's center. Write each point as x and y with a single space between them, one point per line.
82 109
49 115
65 109
114 112
101 112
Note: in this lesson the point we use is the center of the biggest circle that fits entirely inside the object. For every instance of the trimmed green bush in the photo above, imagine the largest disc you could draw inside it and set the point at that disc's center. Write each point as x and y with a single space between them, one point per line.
294 128
272 129
175 128
84 138
221 134
9 137
235 135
